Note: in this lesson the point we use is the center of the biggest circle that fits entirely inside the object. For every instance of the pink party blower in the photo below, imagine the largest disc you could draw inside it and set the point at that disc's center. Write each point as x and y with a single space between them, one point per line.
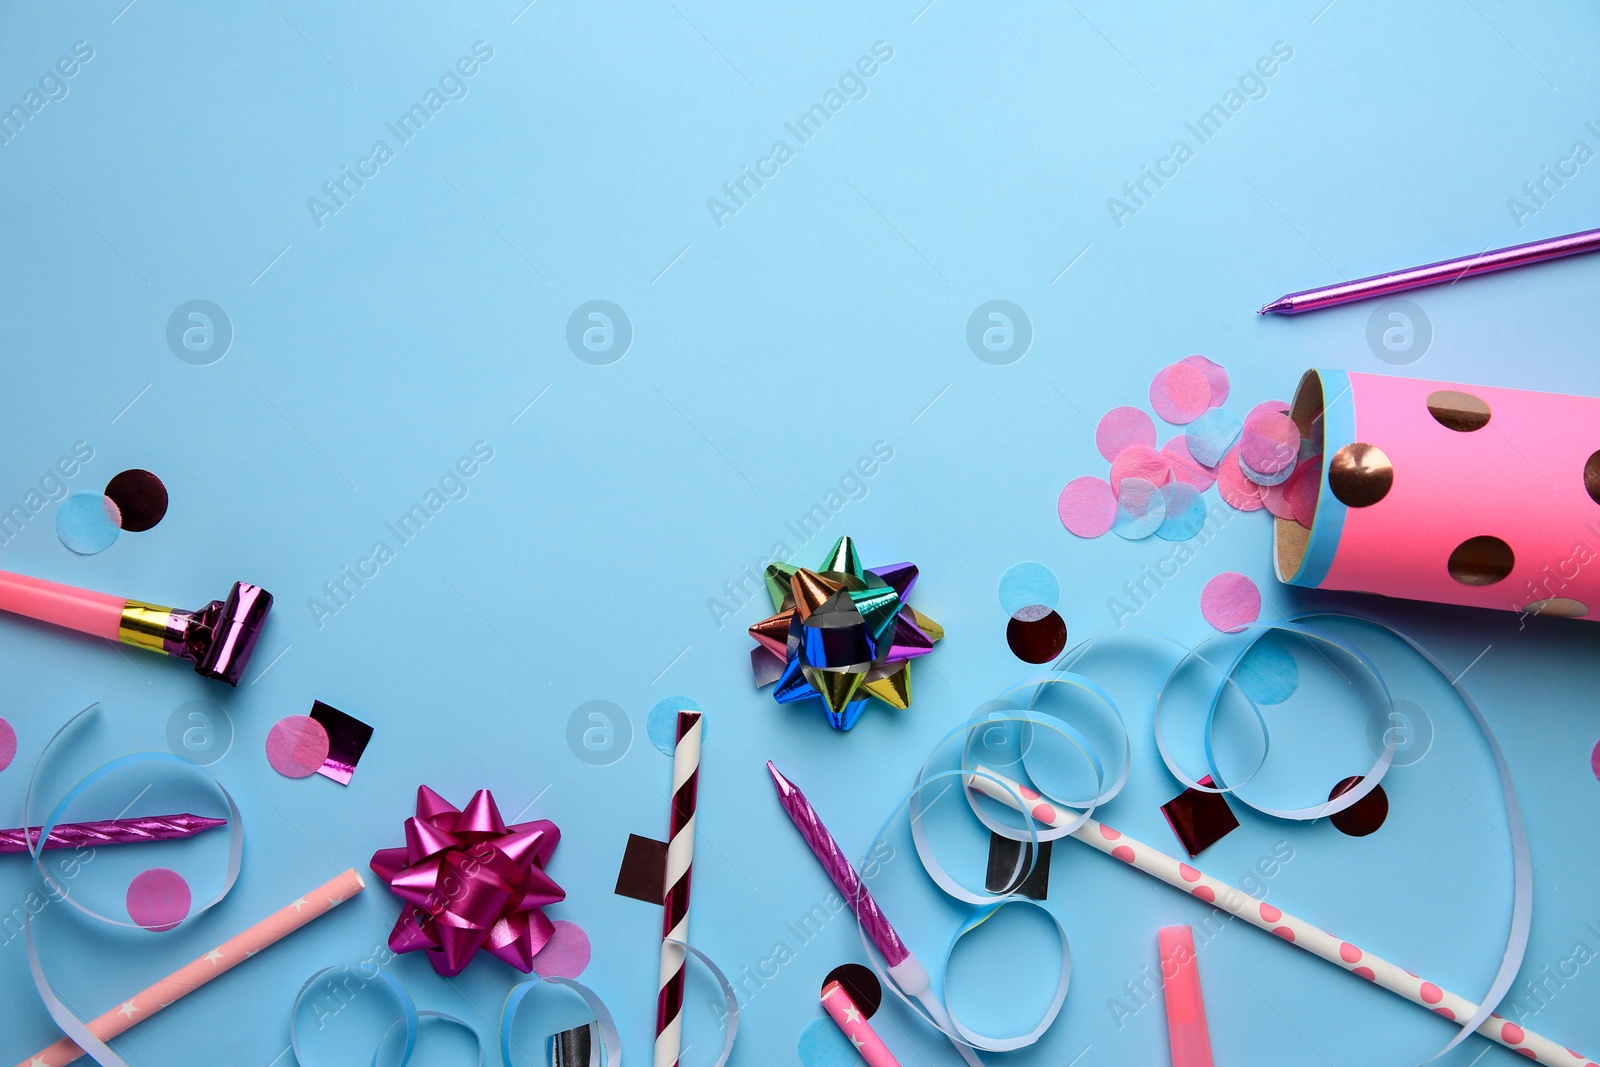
904 967
218 638
853 1023
1187 1031
213 964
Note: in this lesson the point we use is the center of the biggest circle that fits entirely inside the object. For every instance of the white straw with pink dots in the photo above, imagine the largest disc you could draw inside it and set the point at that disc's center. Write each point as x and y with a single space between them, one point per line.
1258 912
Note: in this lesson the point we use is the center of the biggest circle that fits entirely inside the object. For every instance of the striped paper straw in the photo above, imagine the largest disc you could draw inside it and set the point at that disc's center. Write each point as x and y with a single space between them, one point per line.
675 904
192 976
1257 912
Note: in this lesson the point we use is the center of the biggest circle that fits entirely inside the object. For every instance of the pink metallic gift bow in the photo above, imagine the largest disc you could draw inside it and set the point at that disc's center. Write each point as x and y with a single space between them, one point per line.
470 882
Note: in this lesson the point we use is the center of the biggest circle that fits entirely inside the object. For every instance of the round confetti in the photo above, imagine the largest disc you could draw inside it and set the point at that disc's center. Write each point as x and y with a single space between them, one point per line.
1365 815
1185 468
8 744
1230 602
566 954
1122 428
866 992
1302 490
1185 512
1215 374
1274 407
1087 506
1237 491
1036 634
1140 461
1270 441
662 722
1268 673
1140 509
1266 481
1594 757
822 1044
1211 435
139 499
297 745
1180 393
158 899
1028 583
84 525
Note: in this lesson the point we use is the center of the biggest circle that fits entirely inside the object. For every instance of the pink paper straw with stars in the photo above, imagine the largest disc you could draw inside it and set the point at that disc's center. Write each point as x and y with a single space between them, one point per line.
1257 912
192 976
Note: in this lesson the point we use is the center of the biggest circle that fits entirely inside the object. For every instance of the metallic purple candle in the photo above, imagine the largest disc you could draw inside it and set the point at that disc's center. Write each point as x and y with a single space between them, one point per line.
111 832
904 968
833 860
1447 270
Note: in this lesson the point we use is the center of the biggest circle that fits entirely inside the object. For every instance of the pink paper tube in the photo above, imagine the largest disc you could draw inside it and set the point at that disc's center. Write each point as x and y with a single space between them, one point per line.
855 1026
1187 1031
94 613
192 976
1458 494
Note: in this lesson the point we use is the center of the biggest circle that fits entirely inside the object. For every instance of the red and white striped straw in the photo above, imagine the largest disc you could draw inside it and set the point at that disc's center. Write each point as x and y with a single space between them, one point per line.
675 902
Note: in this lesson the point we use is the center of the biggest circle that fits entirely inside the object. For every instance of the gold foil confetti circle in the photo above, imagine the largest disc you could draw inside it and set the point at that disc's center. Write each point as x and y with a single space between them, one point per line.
1360 475
1481 560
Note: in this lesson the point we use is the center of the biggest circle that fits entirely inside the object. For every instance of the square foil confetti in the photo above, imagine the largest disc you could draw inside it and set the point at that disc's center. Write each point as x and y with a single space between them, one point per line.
1200 819
347 740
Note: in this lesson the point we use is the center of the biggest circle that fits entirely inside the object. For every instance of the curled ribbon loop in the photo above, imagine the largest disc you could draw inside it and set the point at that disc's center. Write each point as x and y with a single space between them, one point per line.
407 1025
1008 1044
73 1027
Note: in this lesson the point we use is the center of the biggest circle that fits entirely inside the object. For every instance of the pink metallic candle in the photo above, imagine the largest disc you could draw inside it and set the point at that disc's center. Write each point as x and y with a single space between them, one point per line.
1447 270
111 832
833 860
904 967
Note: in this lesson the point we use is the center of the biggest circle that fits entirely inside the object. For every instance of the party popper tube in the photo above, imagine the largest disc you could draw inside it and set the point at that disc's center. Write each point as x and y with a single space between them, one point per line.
192 976
1259 913
1457 494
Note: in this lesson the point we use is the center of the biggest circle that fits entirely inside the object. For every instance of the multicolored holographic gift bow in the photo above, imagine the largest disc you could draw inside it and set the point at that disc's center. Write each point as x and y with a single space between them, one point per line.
843 634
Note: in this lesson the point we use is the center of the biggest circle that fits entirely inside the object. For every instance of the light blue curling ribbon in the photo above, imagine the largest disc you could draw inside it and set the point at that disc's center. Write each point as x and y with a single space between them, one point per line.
73 1027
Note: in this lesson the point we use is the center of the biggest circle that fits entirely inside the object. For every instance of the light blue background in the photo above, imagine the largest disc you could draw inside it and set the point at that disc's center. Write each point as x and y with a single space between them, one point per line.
769 354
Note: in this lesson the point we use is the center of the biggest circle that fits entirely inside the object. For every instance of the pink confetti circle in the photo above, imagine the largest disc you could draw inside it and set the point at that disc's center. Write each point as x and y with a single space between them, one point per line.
1275 407
1122 428
1594 758
566 954
1185 468
1087 506
158 899
1140 461
297 745
1215 374
1270 442
1237 491
1230 602
1180 393
8 744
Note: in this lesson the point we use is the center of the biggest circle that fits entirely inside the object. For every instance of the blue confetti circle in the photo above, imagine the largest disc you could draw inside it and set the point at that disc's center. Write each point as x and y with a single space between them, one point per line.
662 723
1267 672
822 1044
83 525
1024 584
1185 512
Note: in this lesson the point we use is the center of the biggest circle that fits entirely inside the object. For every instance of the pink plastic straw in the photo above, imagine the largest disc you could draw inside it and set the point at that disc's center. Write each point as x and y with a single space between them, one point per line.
1186 1008
62 605
192 976
855 1026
